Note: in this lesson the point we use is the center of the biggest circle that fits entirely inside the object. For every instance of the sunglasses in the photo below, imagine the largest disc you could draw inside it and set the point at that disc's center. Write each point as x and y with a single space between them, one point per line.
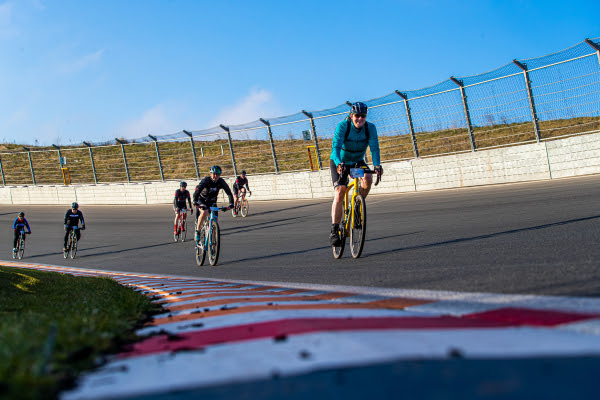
360 115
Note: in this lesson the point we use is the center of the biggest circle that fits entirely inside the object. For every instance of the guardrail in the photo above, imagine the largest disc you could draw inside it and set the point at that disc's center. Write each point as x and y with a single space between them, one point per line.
524 101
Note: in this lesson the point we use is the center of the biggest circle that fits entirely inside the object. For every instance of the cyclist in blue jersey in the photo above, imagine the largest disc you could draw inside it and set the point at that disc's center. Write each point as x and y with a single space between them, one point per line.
19 225
348 148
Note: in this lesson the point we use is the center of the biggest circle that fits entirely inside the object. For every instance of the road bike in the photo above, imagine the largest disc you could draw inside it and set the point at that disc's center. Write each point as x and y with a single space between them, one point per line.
354 220
71 248
242 206
210 238
181 225
20 249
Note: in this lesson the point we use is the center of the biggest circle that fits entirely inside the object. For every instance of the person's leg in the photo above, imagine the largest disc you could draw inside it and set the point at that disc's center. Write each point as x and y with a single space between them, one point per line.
67 231
78 234
365 185
16 237
175 221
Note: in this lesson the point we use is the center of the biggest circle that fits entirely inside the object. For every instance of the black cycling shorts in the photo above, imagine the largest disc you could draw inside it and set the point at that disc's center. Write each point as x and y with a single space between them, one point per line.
206 203
335 177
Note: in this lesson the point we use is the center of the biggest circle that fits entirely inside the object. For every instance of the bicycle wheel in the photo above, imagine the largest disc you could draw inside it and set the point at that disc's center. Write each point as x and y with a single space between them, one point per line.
183 230
73 245
200 248
339 250
20 247
244 208
359 226
215 244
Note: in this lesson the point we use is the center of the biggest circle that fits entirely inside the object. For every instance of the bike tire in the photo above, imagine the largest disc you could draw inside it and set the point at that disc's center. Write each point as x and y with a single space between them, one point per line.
183 230
20 248
73 246
201 248
358 228
214 246
338 251
244 208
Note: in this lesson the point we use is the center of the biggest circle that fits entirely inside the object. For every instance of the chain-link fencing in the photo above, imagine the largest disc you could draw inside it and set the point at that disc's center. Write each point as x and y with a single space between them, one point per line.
524 101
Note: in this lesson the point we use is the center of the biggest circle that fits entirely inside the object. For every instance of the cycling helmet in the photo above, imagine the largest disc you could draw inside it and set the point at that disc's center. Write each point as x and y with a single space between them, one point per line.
21 214
359 108
243 172
182 183
74 205
215 169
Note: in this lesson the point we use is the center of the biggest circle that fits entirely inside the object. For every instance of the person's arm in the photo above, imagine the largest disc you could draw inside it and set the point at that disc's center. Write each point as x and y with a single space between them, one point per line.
374 145
175 201
225 187
15 223
67 216
338 142
82 220
28 228
189 200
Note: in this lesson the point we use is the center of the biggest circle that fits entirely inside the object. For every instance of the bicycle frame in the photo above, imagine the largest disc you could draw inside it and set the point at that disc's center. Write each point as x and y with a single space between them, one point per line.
348 217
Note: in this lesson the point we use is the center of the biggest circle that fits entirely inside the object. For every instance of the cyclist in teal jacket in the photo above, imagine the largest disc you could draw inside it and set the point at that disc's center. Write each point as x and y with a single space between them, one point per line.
348 148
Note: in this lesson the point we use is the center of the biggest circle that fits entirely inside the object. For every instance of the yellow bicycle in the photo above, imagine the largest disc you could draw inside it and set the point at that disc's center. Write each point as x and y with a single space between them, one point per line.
354 220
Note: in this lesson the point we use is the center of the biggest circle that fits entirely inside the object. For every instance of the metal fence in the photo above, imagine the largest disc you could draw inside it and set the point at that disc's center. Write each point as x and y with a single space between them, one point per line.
523 101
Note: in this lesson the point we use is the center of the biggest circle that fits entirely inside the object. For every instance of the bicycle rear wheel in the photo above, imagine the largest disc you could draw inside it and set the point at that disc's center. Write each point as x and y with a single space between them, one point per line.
73 245
215 244
20 247
359 226
338 251
201 248
244 208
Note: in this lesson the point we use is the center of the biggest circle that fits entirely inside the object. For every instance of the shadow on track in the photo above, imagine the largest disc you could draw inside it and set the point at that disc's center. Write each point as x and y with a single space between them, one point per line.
261 225
61 253
124 250
488 236
283 209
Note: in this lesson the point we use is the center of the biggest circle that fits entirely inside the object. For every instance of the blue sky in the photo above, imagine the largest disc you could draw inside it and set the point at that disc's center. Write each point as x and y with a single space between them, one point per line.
95 70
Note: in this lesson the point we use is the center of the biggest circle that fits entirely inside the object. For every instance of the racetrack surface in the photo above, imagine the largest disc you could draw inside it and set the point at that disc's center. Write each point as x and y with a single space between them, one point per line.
528 238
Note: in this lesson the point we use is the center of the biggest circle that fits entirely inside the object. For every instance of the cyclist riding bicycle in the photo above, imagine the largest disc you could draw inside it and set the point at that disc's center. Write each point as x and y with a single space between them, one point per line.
240 185
19 225
72 218
206 193
181 195
348 148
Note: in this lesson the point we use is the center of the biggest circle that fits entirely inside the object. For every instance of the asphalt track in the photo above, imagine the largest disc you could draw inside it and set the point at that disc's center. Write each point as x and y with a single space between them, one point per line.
527 238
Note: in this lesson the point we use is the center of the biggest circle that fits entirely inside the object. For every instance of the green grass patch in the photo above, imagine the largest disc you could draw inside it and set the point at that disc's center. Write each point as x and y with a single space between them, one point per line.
53 326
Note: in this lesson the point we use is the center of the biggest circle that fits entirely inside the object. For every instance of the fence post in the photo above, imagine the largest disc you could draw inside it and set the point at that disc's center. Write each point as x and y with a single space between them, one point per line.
314 133
536 126
410 123
92 160
595 47
162 175
124 158
466 110
30 164
193 153
60 163
2 170
226 129
268 124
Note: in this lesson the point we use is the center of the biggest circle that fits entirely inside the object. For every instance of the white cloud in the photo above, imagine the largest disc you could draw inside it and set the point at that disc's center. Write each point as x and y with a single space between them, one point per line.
153 121
81 63
259 103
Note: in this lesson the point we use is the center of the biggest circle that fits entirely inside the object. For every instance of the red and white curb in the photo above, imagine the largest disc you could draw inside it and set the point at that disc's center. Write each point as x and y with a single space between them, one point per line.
218 332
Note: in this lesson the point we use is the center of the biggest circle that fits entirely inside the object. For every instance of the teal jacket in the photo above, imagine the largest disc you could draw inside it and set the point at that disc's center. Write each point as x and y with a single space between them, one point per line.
353 149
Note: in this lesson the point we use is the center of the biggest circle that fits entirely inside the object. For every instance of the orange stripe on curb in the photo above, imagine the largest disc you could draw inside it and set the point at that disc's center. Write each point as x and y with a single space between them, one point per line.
395 303
241 293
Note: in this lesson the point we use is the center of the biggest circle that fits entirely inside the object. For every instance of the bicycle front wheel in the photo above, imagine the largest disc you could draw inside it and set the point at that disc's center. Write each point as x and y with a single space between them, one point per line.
201 248
358 228
244 208
73 246
215 244
20 248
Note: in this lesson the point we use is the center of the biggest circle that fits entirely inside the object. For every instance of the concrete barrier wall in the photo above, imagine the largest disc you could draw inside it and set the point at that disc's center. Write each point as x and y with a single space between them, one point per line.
579 155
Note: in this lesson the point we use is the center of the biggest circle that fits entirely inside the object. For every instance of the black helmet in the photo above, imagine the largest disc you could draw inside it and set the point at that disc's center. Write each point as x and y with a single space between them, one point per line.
359 108
21 214
182 183
243 172
74 205
215 169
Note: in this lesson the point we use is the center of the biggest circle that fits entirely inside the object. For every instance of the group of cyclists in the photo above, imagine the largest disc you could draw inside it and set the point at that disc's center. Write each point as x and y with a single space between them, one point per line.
352 137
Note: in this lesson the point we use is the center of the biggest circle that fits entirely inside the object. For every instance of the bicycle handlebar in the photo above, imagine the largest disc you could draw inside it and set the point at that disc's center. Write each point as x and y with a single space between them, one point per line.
366 171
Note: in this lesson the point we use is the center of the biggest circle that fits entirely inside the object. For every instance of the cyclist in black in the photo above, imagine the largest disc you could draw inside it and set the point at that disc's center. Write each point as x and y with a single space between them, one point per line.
241 183
181 195
72 218
206 194
19 225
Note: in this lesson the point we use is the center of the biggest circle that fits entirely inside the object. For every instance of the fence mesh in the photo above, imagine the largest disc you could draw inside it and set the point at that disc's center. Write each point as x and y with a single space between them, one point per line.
488 110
